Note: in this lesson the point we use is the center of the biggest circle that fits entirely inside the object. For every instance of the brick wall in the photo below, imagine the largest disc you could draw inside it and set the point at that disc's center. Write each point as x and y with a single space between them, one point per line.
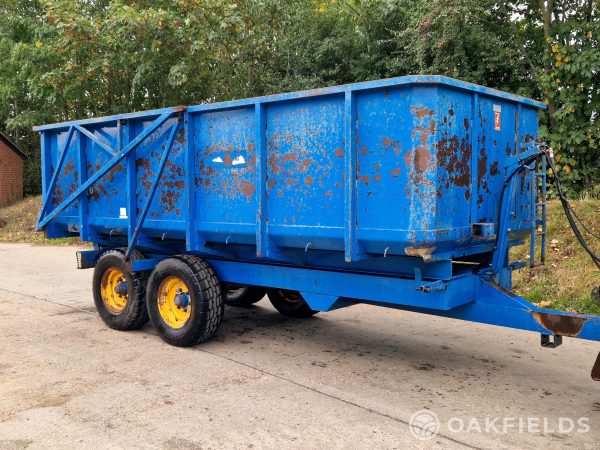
11 175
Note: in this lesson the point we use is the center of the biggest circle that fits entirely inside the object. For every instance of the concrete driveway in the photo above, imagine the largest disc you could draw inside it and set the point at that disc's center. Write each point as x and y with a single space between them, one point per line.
351 378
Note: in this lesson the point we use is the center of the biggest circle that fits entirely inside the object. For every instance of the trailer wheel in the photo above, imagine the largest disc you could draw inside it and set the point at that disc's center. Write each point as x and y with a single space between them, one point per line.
290 303
119 294
243 296
184 300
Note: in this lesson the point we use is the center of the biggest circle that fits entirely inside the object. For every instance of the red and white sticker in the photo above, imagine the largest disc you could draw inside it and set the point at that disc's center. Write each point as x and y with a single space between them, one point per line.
497 113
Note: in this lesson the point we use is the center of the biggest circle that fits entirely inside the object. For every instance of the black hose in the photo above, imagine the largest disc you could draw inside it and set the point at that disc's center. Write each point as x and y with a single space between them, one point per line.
522 166
569 211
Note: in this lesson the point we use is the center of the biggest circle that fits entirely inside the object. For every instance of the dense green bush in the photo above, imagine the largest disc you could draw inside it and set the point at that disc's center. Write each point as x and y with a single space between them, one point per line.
67 59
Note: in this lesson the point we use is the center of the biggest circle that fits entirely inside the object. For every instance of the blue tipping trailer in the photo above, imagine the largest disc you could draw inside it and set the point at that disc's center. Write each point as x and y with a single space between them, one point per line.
405 192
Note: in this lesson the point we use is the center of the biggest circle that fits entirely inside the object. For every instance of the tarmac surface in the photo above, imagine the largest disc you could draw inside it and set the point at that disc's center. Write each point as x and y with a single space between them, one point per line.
350 378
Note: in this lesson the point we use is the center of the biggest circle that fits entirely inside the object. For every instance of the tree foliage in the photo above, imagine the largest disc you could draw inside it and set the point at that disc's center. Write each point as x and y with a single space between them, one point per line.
67 59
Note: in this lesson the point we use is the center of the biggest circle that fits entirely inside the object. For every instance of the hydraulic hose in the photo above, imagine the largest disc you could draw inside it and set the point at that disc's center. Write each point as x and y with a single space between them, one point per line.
570 213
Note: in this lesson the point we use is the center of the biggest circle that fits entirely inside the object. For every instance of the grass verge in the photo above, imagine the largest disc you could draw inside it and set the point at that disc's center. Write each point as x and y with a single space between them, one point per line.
17 224
565 282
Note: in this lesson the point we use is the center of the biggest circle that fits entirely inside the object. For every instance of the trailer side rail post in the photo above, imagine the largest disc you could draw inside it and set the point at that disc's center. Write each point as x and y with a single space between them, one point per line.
155 182
61 159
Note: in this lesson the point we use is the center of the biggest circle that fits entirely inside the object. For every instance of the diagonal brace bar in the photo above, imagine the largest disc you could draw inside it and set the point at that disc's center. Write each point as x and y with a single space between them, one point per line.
95 140
61 160
108 166
153 188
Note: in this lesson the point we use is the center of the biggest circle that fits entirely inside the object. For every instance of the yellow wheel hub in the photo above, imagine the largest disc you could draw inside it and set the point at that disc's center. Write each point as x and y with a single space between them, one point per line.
174 302
113 289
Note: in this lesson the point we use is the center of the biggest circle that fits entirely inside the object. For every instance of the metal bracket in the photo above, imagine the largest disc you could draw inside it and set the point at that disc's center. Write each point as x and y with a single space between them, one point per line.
516 265
551 343
437 285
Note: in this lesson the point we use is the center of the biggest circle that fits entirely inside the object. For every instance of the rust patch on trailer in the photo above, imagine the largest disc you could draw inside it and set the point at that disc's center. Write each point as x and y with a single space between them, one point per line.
110 175
227 180
422 159
272 161
481 166
58 195
392 144
290 156
451 112
455 158
247 189
69 167
481 175
168 198
308 180
97 189
173 184
494 169
377 178
92 195
421 112
175 172
364 178
339 152
560 324
395 172
422 252
466 124
143 163
181 136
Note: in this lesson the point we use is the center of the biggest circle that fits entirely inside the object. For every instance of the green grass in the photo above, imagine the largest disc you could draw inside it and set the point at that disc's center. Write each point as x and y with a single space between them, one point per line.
17 224
565 282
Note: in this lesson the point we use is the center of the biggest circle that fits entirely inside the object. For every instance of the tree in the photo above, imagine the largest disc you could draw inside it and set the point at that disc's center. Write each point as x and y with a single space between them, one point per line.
68 59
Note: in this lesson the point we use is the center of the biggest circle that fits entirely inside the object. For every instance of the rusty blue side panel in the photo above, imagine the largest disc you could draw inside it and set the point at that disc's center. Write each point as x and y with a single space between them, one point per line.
392 172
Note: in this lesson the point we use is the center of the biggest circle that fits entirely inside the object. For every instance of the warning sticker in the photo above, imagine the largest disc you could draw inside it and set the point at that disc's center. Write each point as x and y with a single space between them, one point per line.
497 118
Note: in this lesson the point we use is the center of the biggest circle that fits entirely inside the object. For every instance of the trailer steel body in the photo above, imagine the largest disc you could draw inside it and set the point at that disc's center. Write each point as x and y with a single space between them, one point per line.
406 192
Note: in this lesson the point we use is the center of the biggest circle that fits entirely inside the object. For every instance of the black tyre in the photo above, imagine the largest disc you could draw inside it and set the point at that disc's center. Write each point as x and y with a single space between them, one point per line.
119 294
290 303
243 296
184 300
